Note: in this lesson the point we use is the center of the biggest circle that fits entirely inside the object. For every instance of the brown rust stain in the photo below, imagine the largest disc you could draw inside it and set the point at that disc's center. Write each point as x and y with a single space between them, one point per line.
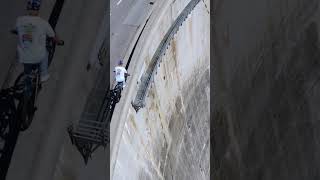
174 48
174 52
190 30
152 93
147 59
132 121
152 96
174 68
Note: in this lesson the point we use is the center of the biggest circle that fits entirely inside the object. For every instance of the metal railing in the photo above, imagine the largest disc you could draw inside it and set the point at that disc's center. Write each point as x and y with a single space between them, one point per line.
139 101
92 130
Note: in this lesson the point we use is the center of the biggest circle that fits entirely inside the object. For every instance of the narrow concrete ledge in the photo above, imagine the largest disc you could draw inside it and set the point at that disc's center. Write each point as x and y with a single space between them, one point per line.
172 130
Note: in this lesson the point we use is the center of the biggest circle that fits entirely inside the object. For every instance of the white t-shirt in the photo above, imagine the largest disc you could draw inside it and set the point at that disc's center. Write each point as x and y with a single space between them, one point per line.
32 33
120 71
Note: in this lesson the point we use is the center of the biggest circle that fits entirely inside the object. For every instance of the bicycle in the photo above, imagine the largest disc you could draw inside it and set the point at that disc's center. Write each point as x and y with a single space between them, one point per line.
118 89
8 111
26 106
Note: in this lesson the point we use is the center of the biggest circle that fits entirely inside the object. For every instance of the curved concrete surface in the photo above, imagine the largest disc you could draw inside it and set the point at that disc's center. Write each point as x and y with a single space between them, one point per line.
169 138
266 78
44 151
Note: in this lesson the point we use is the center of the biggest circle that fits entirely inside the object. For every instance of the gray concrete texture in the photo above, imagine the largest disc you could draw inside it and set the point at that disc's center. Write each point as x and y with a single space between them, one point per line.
169 138
8 44
266 90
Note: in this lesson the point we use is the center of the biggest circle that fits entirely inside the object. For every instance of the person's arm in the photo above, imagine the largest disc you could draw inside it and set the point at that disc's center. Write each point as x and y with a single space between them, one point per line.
126 73
52 34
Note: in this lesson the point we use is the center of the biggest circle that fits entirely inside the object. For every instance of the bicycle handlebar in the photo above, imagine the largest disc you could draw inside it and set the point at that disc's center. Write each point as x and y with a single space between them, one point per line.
60 43
13 31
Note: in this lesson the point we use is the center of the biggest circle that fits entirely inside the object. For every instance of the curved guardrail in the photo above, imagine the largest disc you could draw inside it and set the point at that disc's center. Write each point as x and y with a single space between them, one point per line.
139 101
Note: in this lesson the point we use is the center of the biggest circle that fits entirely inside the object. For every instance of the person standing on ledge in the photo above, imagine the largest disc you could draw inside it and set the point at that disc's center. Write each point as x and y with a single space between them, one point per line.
121 74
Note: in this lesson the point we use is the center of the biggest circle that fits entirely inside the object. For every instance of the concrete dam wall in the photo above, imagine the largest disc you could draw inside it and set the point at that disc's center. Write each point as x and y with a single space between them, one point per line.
266 88
169 137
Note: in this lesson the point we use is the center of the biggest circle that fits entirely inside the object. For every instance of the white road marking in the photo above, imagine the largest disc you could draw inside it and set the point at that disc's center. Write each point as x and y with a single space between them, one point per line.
119 2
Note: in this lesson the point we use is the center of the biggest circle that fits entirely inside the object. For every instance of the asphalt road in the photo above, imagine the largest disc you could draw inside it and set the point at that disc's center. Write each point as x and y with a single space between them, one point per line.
8 14
126 16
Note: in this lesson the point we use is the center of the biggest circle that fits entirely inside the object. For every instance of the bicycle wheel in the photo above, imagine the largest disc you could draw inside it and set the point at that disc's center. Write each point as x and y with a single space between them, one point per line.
27 109
22 105
26 105
21 109
117 94
7 113
20 79
19 83
22 113
26 112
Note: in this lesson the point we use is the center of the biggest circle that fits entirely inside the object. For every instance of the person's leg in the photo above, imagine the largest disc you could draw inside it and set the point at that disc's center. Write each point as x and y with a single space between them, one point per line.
44 74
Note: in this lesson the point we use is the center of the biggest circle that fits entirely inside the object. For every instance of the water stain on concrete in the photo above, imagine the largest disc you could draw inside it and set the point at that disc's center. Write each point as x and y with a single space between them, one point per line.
190 31
189 140
272 121
132 121
174 52
171 149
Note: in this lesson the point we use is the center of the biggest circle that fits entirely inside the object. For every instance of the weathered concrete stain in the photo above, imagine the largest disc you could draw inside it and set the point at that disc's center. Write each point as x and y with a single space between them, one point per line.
174 125
190 32
132 121
266 126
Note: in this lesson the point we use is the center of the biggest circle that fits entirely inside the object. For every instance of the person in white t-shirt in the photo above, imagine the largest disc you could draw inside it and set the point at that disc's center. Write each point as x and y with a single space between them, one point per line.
32 34
121 73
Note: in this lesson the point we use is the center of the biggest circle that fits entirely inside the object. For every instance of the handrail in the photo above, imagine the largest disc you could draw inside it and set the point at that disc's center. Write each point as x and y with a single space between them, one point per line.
139 101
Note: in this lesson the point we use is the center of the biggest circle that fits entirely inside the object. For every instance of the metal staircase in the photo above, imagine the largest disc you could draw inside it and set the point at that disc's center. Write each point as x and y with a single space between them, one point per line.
92 131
